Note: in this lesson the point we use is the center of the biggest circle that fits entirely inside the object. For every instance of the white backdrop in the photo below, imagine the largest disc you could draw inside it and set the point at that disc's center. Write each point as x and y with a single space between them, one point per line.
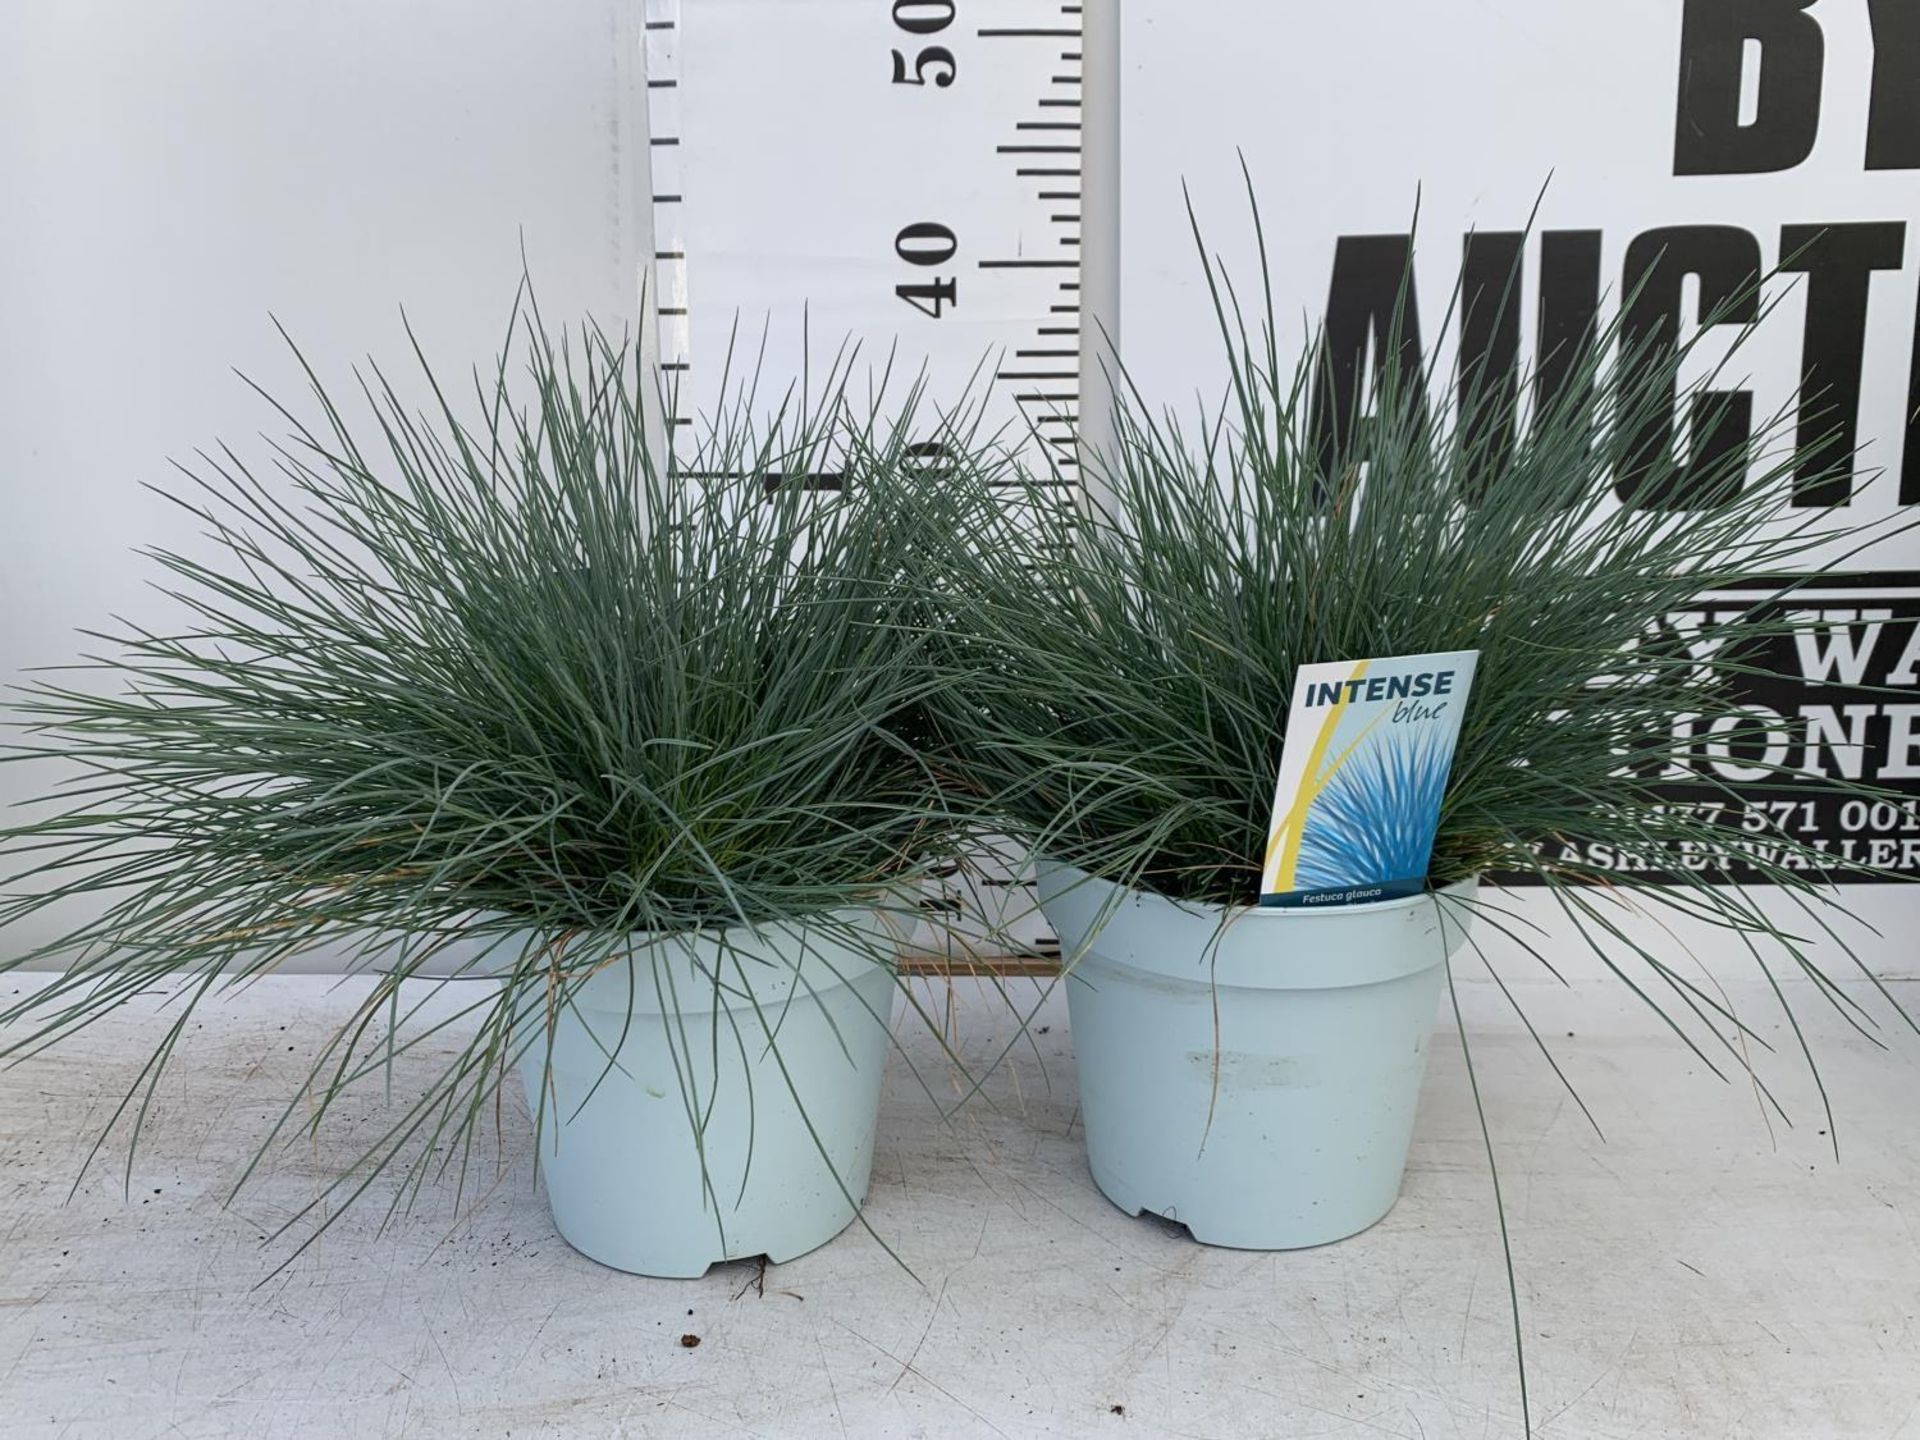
1351 116
1468 115
176 171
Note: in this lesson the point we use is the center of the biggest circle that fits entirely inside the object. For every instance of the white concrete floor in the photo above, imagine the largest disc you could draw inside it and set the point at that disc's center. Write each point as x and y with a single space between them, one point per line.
1692 1276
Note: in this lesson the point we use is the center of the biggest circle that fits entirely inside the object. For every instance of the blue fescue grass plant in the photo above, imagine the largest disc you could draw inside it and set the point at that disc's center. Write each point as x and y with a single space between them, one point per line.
456 673
1130 664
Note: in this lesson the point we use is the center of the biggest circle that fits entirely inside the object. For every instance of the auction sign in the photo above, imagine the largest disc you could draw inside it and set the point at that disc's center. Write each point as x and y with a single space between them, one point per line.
1666 150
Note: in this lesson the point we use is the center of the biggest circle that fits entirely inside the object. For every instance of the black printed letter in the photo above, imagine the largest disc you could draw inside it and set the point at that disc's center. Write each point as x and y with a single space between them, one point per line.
1370 308
1893 122
1838 261
1569 321
1727 262
1708 137
1489 379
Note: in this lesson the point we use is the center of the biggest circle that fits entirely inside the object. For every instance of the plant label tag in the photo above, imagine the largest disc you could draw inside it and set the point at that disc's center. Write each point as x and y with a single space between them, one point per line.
1369 746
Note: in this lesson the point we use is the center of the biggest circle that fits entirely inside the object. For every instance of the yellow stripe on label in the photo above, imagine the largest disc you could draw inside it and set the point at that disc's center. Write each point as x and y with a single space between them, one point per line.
1287 832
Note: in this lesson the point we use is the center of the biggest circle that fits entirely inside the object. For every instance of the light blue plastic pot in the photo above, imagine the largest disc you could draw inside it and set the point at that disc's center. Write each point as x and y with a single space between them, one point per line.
1261 1090
673 1132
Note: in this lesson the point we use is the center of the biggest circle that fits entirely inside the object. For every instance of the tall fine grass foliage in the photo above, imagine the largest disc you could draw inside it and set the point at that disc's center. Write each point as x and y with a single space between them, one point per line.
1130 666
491 668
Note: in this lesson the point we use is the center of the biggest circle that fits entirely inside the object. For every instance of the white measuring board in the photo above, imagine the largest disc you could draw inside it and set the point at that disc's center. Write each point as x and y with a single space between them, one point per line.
902 174
906 176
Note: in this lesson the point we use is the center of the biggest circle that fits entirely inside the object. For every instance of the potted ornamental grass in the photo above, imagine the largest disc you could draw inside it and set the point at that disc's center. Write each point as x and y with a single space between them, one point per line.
505 694
1251 1071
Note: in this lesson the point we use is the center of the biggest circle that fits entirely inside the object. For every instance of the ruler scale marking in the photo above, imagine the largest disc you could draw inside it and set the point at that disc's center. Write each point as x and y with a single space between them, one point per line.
946 105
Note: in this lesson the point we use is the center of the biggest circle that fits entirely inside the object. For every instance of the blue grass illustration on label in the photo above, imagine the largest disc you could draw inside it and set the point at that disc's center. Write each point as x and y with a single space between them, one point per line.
1362 773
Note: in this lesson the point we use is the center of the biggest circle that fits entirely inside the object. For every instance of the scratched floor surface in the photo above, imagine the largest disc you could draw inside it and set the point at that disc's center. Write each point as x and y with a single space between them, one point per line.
1694 1275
